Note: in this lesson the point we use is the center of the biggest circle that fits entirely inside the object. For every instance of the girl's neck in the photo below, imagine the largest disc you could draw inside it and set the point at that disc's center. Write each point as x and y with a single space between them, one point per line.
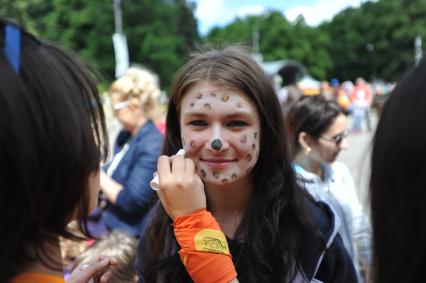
53 251
309 164
228 203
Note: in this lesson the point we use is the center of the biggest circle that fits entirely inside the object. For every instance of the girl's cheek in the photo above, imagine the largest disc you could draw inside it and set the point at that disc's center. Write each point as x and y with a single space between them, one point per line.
192 142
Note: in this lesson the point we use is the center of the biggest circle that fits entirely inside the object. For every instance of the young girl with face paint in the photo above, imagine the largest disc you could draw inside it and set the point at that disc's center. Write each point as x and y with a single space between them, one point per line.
230 209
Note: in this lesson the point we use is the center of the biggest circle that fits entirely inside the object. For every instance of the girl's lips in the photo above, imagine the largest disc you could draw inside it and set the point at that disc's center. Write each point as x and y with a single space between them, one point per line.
217 163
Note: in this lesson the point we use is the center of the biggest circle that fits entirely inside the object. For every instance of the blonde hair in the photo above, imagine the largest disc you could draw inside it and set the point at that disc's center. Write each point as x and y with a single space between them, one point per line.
120 246
141 84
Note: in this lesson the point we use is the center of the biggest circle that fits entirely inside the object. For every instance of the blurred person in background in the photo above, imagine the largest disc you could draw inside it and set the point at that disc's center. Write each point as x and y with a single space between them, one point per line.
361 98
318 130
125 180
53 133
398 183
326 90
343 96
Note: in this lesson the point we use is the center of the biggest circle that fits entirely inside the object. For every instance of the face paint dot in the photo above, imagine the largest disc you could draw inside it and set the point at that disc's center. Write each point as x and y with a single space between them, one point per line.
249 157
191 104
192 143
225 98
216 144
253 146
199 96
215 175
213 94
224 180
248 170
239 105
243 139
203 173
234 176
255 135
207 106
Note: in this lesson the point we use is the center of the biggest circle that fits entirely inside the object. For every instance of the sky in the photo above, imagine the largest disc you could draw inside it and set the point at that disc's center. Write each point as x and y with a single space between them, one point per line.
211 13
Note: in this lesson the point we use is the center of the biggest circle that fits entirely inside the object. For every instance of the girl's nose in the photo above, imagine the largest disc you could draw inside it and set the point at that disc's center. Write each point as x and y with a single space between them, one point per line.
217 141
216 144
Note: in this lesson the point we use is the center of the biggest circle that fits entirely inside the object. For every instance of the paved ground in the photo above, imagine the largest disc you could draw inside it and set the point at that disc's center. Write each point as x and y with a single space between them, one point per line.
357 158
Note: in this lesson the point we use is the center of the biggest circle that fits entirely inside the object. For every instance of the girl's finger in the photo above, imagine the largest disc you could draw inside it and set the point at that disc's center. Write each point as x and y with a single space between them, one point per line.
189 166
178 164
163 167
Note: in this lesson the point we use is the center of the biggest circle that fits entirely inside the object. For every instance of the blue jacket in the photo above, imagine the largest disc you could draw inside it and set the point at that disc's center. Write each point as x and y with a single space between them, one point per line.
134 172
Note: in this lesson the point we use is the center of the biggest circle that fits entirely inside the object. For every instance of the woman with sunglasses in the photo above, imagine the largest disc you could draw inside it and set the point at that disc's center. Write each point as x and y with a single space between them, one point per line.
125 180
318 129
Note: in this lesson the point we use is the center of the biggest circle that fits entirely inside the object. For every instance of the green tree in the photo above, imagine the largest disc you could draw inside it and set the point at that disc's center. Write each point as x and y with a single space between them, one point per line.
159 33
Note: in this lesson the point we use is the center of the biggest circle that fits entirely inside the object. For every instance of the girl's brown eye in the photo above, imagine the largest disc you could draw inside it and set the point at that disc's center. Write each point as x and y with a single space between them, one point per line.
237 124
198 123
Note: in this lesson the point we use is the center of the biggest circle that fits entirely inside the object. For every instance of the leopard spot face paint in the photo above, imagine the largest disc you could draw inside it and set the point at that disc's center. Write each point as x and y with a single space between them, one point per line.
216 175
216 118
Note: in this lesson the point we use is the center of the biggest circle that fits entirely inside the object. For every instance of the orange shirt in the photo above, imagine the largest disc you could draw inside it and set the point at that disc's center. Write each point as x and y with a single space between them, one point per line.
32 277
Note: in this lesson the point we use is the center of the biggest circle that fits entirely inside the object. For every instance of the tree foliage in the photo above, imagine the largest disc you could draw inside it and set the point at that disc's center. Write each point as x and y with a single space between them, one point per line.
375 40
159 33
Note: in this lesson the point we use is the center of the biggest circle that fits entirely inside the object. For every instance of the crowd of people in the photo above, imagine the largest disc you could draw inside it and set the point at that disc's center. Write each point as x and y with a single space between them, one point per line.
258 195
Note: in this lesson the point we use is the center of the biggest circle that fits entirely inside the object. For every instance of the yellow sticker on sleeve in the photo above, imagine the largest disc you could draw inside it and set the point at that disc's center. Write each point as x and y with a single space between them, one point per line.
211 241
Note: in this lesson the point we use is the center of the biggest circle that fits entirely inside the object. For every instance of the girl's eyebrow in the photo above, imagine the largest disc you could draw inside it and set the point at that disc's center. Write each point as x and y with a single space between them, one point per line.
235 113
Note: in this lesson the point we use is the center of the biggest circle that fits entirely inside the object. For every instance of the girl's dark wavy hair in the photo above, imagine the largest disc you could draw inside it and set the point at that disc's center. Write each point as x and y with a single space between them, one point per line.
52 138
275 218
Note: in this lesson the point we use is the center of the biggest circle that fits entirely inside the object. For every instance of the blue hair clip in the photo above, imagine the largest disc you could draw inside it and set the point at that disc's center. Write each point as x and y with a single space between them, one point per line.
12 46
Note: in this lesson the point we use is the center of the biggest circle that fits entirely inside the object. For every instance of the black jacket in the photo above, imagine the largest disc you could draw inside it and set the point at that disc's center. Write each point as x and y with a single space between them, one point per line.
330 265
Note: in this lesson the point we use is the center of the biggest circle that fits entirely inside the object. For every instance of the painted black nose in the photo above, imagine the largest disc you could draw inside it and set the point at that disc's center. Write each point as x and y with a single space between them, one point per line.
216 144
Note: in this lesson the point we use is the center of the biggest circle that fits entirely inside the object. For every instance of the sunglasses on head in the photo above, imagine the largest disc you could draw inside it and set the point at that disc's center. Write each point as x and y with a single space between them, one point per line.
120 105
337 139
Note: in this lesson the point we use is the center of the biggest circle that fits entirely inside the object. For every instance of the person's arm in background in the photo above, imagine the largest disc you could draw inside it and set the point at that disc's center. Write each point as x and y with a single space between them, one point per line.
135 195
361 228
110 187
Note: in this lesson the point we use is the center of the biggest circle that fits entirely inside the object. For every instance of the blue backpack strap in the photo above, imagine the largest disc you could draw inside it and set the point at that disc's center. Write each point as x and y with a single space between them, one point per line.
12 46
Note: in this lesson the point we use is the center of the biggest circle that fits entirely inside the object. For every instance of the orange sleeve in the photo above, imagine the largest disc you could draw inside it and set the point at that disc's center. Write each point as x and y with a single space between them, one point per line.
204 249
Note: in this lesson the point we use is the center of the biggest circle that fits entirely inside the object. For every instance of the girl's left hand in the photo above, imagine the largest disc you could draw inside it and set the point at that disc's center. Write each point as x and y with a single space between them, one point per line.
97 269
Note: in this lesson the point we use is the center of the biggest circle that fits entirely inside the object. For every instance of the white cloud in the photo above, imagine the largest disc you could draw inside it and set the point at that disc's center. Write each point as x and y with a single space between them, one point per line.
321 10
250 10
211 13
215 13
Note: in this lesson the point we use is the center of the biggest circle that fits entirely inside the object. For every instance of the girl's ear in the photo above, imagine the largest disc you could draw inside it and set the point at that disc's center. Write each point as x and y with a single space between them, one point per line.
304 140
